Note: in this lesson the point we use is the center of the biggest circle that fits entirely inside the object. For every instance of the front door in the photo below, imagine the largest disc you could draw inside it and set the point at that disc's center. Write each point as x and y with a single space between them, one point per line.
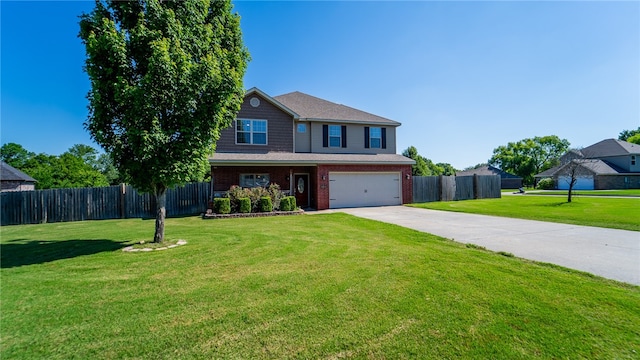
301 188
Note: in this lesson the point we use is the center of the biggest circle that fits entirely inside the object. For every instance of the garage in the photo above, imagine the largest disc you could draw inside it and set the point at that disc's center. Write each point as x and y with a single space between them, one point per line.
582 183
355 189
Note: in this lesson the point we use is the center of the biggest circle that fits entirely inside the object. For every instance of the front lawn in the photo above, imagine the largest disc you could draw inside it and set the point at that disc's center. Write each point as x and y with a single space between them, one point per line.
323 286
590 211
625 193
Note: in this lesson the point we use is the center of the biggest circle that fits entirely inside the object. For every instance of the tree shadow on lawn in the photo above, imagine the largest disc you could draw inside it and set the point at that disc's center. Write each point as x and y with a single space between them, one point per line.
21 252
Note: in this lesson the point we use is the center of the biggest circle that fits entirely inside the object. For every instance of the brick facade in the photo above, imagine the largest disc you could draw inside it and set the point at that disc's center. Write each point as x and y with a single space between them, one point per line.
226 176
322 187
622 181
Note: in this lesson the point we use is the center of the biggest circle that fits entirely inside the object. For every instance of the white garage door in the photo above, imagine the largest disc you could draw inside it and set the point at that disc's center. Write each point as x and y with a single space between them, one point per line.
364 189
582 183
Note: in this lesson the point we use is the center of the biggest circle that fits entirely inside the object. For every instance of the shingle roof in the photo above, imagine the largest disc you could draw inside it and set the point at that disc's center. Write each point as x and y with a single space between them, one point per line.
610 147
487 170
311 108
282 158
9 173
597 166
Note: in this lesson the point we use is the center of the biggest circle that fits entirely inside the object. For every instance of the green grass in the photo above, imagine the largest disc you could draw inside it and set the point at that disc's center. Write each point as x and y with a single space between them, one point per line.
323 286
629 193
625 193
590 211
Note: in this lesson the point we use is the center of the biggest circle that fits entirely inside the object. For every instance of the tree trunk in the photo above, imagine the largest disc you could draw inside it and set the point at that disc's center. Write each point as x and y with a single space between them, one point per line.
570 191
161 212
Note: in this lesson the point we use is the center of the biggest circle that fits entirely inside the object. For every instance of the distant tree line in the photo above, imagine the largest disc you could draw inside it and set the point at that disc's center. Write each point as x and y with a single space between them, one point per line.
524 158
80 166
426 167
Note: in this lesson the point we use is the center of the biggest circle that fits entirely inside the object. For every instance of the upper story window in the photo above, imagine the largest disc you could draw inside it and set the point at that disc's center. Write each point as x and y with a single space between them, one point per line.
633 159
252 132
375 138
335 136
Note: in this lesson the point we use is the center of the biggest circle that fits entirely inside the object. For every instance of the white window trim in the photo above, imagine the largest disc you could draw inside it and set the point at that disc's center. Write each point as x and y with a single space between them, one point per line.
240 182
371 138
266 132
339 137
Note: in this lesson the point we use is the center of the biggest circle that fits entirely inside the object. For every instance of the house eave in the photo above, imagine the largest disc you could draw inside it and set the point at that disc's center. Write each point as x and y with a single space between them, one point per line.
293 159
346 121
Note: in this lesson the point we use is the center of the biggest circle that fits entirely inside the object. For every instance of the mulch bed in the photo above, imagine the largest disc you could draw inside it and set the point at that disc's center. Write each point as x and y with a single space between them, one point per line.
241 215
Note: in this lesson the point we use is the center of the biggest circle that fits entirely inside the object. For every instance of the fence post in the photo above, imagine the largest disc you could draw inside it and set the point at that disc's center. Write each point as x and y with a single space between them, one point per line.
475 186
123 205
440 188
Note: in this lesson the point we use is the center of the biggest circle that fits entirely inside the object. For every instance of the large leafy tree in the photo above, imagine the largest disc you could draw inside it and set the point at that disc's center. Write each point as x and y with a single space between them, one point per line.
528 157
625 135
426 167
634 139
15 155
166 77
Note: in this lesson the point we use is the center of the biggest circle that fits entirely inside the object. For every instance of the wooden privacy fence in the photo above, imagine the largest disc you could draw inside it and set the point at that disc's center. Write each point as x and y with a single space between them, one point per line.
113 202
449 188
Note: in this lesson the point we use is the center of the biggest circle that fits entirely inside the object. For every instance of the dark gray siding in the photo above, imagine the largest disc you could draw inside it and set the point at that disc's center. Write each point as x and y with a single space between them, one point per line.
279 129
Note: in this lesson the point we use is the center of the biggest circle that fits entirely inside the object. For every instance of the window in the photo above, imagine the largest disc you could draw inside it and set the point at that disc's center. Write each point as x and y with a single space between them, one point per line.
254 180
302 128
375 137
335 136
251 132
633 159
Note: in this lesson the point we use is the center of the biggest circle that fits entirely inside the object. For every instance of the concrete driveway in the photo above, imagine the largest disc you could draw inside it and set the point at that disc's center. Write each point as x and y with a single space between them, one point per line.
613 254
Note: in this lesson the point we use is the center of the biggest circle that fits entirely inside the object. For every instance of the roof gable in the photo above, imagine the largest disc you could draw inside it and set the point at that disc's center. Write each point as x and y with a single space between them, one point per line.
272 101
9 173
311 108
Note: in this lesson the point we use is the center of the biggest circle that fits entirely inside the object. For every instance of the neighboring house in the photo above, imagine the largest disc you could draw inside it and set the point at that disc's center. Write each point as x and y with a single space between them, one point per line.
326 154
13 179
608 164
507 180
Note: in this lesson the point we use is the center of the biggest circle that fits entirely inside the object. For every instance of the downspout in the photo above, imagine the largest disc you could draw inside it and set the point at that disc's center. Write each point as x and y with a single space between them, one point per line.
291 193
211 189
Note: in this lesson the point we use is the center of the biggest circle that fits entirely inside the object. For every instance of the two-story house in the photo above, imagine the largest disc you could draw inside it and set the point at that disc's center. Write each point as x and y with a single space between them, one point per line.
328 155
608 164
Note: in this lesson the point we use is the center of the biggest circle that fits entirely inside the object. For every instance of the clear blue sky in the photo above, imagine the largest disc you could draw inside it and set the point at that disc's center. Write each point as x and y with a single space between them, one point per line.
462 77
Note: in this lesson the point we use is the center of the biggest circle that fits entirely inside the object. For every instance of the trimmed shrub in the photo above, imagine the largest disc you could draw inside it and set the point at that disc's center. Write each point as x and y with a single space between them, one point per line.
245 205
285 203
265 204
222 205
288 203
254 194
294 205
546 184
